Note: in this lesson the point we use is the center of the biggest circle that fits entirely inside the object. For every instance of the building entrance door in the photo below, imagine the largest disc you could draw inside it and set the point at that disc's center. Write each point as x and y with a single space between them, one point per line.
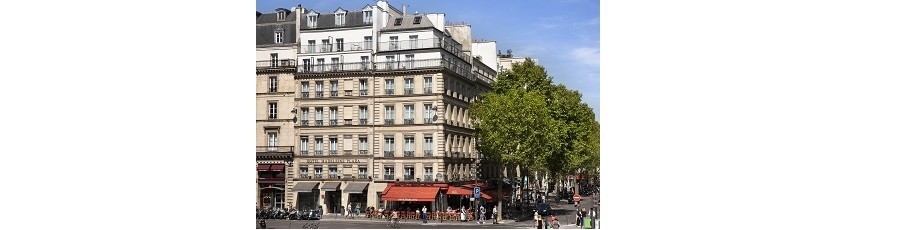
333 200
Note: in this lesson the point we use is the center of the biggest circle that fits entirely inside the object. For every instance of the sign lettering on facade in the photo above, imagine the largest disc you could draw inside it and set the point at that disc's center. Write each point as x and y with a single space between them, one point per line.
335 161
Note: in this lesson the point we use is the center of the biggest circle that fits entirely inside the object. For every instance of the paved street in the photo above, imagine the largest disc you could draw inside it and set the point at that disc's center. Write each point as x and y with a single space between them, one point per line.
564 212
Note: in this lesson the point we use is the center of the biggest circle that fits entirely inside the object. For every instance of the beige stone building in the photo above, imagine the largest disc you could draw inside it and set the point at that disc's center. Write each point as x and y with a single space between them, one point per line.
381 99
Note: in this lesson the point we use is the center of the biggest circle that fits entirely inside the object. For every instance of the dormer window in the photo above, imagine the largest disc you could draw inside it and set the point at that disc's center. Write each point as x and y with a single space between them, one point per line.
398 21
281 15
279 36
367 16
417 20
312 21
339 19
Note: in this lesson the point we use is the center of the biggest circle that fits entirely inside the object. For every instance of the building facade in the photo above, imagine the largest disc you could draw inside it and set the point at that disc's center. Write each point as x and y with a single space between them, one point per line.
381 99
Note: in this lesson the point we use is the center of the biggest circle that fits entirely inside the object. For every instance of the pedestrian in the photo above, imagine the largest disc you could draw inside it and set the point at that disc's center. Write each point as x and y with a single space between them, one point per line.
537 220
577 218
494 214
424 214
554 223
481 214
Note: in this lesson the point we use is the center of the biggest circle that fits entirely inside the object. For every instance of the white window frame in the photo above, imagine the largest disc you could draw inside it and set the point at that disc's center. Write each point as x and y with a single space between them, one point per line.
340 19
363 143
413 41
389 112
319 112
363 112
312 21
272 139
429 143
273 84
367 16
367 42
389 84
273 110
281 15
340 44
388 143
319 144
409 144
279 37
409 111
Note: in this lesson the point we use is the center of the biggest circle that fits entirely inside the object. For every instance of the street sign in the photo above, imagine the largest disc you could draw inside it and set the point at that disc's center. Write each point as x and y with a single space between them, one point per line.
576 197
476 192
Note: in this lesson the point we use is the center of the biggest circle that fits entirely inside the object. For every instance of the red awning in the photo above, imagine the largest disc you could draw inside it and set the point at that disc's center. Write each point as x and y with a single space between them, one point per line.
402 193
263 167
277 167
487 196
458 191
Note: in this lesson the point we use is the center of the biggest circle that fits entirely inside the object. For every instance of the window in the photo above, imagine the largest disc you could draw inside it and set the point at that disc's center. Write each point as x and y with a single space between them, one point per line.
335 65
427 84
307 66
408 115
389 172
389 115
367 44
319 90
413 41
311 48
332 172
304 146
388 146
304 172
389 86
363 87
332 146
326 46
417 20
340 44
367 16
408 83
279 36
409 62
394 43
332 115
339 19
428 114
428 173
429 142
364 60
363 115
318 116
318 172
320 64
363 145
409 147
398 21
273 59
319 146
281 15
273 110
409 173
334 87
272 139
311 21
390 62
304 116
273 84
363 172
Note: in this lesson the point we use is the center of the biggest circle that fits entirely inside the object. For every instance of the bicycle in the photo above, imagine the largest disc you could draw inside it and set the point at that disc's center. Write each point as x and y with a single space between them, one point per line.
395 223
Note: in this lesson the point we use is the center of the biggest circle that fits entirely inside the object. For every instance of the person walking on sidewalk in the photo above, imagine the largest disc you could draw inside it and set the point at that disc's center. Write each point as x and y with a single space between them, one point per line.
494 215
424 215
481 215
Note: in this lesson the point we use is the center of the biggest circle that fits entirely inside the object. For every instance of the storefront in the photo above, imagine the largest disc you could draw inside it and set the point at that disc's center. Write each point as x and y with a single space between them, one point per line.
413 196
358 195
270 181
332 197
307 195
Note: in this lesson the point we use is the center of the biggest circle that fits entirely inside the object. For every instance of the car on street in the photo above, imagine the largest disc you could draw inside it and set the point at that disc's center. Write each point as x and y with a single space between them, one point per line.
544 209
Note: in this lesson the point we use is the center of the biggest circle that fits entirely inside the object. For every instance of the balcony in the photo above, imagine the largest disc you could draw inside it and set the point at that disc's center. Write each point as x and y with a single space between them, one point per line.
428 178
336 67
332 122
409 153
304 95
429 153
304 123
427 90
408 121
333 176
304 152
363 121
340 47
334 93
319 152
274 149
363 152
389 153
446 44
304 176
364 92
276 65
319 123
408 177
459 67
408 91
388 177
332 152
320 94
348 93
319 176
363 176
389 92
388 121
428 120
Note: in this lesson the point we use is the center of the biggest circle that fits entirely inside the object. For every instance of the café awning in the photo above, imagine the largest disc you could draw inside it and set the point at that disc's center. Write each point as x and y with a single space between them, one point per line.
305 187
403 193
331 186
356 187
459 191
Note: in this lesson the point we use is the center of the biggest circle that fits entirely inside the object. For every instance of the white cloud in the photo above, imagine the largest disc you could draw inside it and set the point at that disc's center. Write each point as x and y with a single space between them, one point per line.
586 56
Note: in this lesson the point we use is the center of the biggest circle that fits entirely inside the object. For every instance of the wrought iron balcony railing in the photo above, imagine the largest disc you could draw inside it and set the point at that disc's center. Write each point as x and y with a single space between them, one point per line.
319 123
332 152
332 122
334 93
389 177
389 153
429 153
304 175
333 176
407 121
348 93
364 92
458 67
338 47
318 176
276 64
408 91
363 152
274 149
363 121
446 44
427 90
428 178
409 153
363 176
408 177
336 67
304 152
319 152
428 120
388 121
389 92
304 95
304 123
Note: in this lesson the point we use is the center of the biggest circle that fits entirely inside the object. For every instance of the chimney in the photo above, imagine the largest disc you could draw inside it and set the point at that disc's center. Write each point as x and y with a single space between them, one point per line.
404 9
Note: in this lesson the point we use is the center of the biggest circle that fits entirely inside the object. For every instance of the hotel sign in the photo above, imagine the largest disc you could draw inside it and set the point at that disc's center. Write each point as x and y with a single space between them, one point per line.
335 161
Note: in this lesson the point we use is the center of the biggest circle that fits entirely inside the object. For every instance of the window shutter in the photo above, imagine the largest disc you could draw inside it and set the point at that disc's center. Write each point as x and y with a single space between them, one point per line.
348 112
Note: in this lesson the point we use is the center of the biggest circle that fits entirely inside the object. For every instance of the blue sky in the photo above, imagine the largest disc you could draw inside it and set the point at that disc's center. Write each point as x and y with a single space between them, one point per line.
563 35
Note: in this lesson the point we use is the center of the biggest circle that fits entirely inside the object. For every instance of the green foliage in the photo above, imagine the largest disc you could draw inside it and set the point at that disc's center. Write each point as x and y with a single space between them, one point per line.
529 121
